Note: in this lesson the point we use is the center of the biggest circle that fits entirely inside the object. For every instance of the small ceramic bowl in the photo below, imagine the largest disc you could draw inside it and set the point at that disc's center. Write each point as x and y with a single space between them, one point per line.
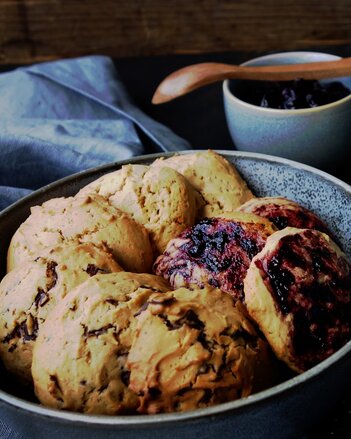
319 136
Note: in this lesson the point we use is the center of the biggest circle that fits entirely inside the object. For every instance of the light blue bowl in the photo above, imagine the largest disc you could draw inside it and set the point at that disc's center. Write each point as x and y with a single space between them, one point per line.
319 136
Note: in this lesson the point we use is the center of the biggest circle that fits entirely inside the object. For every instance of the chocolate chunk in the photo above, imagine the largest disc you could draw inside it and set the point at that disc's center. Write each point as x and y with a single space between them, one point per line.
192 320
112 302
125 377
142 308
41 298
97 332
55 388
51 275
92 270
207 396
27 330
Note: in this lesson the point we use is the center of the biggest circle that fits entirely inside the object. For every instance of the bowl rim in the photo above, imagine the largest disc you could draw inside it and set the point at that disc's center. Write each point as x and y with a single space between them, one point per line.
140 421
279 111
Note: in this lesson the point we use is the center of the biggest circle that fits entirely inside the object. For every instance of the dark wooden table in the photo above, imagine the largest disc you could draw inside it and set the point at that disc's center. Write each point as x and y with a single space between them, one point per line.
199 118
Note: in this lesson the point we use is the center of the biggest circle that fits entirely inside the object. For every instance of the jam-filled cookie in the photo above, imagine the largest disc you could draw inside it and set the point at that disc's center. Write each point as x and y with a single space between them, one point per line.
216 251
298 290
284 213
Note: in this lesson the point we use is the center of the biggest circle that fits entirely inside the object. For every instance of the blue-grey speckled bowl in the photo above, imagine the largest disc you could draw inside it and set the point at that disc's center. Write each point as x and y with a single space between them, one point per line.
288 410
319 136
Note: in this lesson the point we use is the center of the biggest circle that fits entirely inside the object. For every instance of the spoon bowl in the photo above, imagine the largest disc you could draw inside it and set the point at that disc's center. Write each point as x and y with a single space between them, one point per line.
190 78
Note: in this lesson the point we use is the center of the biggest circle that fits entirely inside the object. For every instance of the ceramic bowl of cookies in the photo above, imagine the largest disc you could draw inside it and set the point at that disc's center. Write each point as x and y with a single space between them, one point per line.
192 294
303 120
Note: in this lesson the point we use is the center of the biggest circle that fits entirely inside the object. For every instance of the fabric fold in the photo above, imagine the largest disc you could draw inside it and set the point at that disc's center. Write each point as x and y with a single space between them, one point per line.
62 117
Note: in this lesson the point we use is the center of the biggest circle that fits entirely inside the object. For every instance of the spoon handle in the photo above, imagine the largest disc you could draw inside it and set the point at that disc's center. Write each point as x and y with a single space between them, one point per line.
195 76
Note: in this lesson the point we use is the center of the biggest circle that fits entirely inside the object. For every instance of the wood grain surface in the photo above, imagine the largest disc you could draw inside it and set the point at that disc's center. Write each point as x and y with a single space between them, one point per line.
37 30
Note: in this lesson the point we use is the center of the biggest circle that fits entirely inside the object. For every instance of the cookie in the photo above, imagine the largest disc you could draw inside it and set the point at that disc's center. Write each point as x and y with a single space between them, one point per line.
216 251
86 218
159 198
30 291
193 349
298 290
218 181
86 371
284 213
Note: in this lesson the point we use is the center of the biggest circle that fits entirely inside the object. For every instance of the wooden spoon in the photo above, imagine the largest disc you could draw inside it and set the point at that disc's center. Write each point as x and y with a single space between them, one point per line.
194 76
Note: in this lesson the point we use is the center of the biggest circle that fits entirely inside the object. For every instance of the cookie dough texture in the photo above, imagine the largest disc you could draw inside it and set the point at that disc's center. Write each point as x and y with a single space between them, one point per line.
215 251
284 213
161 199
86 218
87 371
298 290
218 181
30 291
193 349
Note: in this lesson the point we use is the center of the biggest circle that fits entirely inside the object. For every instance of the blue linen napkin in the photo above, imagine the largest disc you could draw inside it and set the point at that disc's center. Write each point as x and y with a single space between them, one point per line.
65 116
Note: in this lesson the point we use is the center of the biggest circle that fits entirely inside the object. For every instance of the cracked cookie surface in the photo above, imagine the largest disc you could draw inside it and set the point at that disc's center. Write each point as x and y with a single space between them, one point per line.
193 348
87 371
82 219
160 199
29 292
217 180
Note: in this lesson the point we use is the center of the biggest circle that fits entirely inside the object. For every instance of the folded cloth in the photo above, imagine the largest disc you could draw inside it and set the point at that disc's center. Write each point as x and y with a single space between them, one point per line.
65 116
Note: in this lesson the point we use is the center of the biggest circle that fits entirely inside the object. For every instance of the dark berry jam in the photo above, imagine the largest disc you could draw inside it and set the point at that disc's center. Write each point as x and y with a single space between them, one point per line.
312 283
292 215
291 95
224 249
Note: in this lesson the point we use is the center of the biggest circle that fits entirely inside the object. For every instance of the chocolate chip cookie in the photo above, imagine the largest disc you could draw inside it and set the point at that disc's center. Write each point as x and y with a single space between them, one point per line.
86 218
31 290
193 348
160 199
218 181
82 367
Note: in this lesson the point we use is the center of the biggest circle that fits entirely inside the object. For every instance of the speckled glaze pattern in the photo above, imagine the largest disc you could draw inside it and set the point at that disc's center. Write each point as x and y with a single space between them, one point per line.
286 411
311 188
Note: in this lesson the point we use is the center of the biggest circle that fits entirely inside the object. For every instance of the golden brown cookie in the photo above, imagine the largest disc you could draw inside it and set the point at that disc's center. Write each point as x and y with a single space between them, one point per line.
86 218
284 213
214 177
30 291
193 349
87 371
298 290
216 251
159 198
